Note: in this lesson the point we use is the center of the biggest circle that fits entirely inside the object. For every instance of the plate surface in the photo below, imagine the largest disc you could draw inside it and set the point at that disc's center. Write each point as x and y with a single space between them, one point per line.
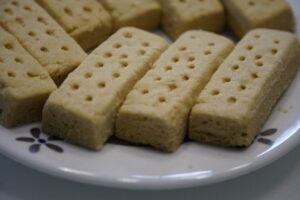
121 165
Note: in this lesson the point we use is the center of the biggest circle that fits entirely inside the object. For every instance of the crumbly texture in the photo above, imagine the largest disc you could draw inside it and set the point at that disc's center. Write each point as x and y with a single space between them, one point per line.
242 16
182 15
143 14
236 102
42 37
24 83
83 109
155 112
85 20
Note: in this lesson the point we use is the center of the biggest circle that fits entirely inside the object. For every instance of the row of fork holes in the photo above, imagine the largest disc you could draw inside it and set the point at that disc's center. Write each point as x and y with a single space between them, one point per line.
100 64
16 4
185 77
69 11
9 46
253 75
29 74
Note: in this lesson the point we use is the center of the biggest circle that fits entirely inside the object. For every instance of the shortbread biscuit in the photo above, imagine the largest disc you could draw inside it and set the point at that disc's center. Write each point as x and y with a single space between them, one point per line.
155 112
24 83
143 14
182 15
83 109
41 36
246 15
86 20
238 99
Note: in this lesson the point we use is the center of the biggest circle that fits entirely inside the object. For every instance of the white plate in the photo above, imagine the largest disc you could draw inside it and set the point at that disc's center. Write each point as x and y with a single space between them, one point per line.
124 166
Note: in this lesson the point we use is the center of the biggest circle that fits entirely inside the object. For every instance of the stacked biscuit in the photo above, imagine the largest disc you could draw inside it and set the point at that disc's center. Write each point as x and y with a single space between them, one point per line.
133 84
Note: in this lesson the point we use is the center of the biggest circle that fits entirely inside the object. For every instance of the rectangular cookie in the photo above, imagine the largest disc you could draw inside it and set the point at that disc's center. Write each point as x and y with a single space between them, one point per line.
83 109
155 112
42 37
141 14
182 15
238 99
242 16
24 83
86 20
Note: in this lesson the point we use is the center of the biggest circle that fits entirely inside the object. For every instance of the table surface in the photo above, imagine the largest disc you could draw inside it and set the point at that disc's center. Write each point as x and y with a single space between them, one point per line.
277 181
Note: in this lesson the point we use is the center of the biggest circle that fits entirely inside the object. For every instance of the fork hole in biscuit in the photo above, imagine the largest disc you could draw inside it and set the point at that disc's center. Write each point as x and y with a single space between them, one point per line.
231 100
249 47
251 3
32 74
11 74
145 91
276 41
99 64
172 86
127 35
242 58
101 84
185 77
88 75
19 21
226 79
145 44
107 54
87 9
257 57
254 75
182 48
8 11
182 1
124 64
44 49
15 3
191 66
68 11
191 58
42 20
89 98
207 52
124 56
115 75
64 48
1 60
157 78
175 59
168 68
27 8
259 64
31 34
242 87
215 92
50 32
19 60
74 86
8 46
141 52
211 44
162 99
235 67
117 45
256 36
274 51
